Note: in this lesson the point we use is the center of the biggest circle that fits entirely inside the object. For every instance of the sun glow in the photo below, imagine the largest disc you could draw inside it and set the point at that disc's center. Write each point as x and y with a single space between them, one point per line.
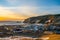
9 15
24 12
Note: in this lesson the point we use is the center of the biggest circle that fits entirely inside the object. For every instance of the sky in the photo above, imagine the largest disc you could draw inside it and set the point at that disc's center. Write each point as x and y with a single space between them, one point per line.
22 9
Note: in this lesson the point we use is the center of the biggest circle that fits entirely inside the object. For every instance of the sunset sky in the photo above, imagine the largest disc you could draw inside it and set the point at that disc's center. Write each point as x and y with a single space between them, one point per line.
22 9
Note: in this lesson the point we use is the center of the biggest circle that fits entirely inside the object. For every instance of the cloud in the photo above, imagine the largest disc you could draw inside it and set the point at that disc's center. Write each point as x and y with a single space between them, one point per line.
26 10
17 13
6 13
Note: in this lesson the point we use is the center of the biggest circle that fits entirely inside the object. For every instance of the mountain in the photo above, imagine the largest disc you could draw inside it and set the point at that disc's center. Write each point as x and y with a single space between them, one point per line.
54 18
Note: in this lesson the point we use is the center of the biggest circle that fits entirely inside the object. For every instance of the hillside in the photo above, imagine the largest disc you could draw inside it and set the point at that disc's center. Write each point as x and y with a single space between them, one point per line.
54 18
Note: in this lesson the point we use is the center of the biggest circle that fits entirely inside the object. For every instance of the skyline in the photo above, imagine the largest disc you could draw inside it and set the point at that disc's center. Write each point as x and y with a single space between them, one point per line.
22 9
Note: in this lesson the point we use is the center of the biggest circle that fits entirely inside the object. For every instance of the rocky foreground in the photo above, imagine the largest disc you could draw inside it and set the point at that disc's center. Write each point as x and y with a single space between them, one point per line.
45 37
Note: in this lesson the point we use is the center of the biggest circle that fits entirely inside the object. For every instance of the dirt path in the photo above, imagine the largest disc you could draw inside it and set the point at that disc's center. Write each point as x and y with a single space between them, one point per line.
52 36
